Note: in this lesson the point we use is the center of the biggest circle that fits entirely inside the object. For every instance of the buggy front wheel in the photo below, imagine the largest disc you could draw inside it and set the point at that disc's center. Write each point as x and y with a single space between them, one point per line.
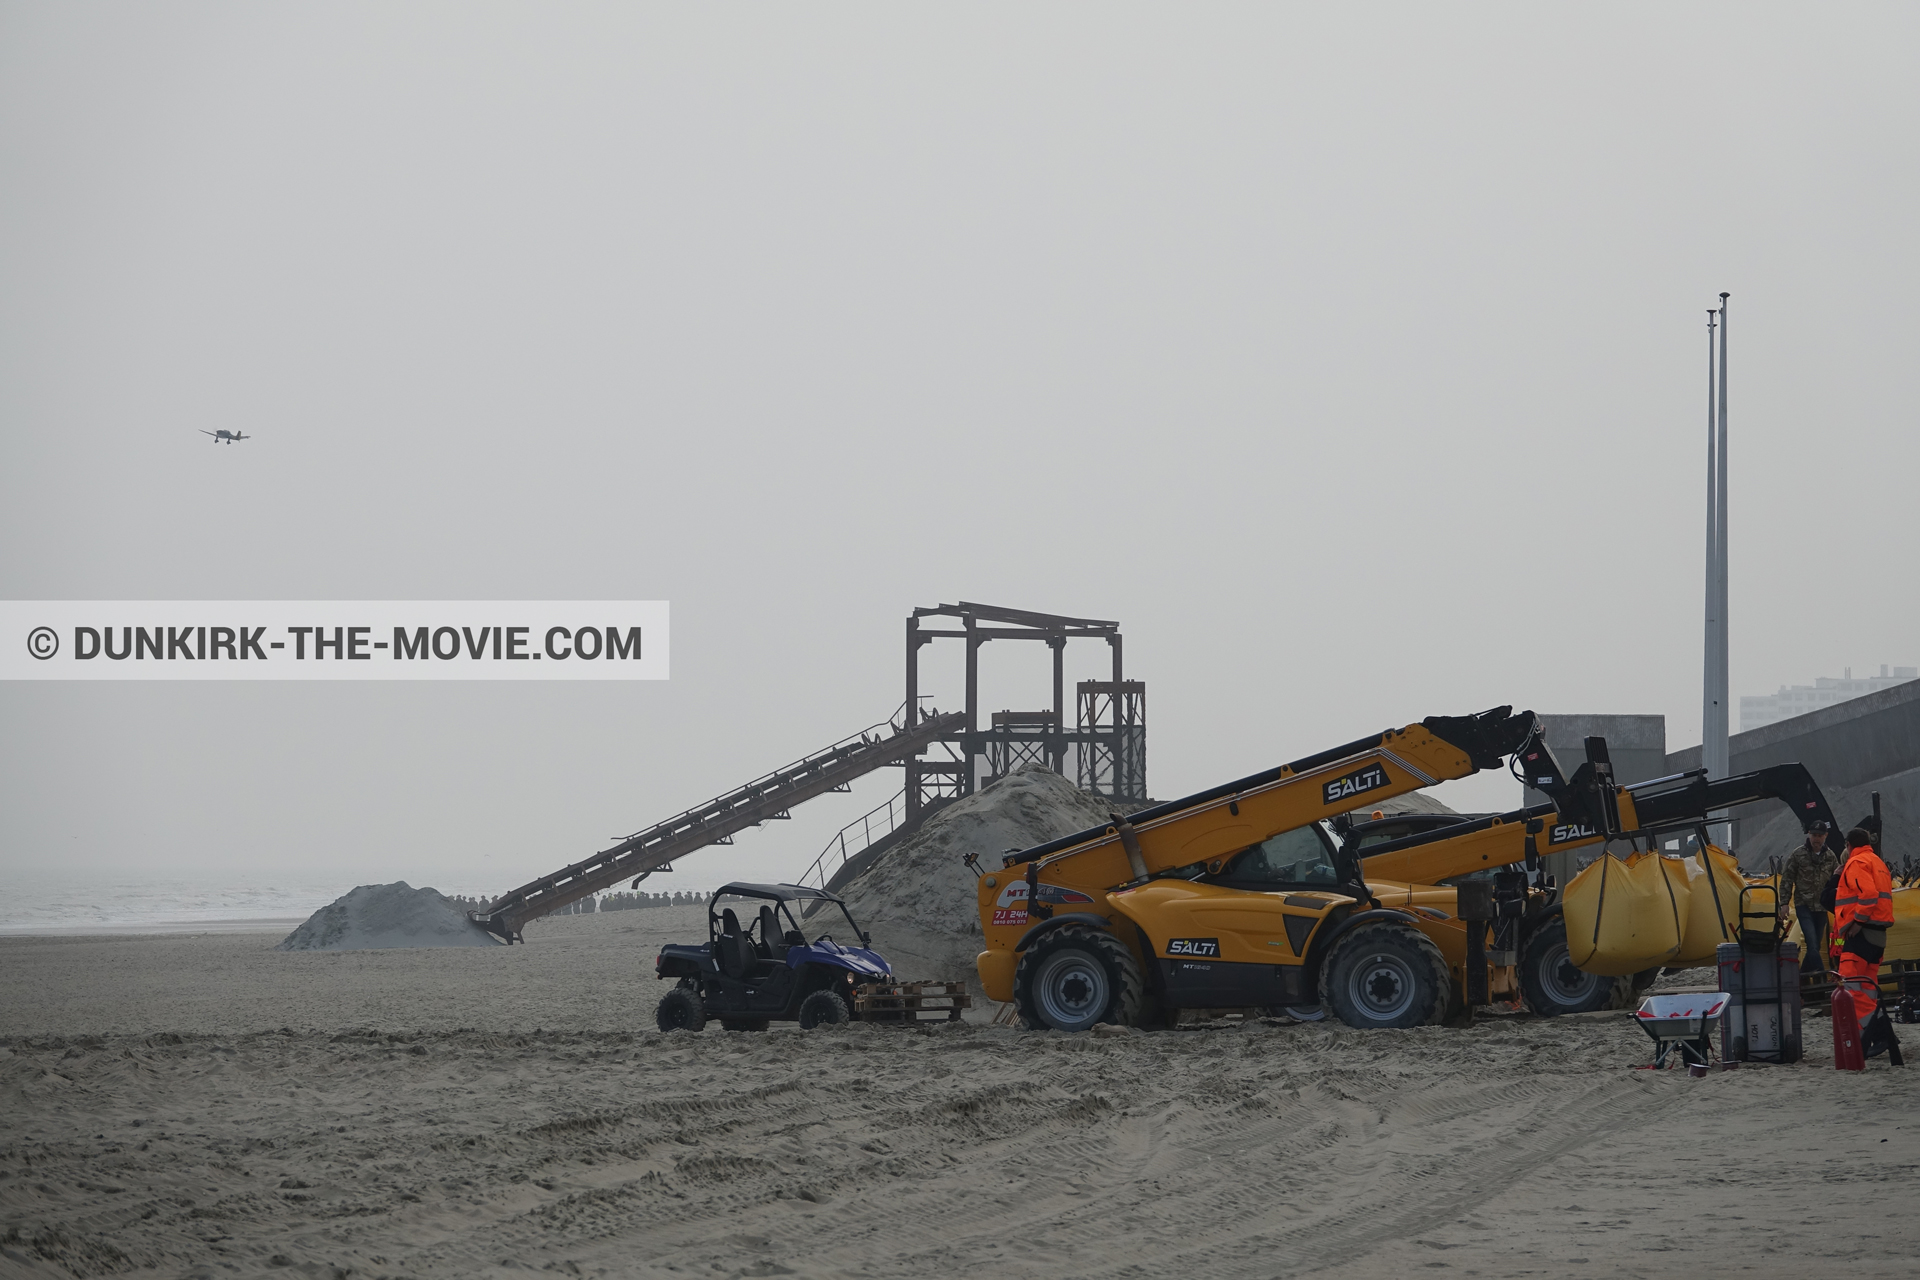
824 1008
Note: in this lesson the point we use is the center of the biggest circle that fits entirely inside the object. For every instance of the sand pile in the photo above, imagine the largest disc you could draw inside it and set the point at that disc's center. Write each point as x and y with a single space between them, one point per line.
918 899
387 915
1411 802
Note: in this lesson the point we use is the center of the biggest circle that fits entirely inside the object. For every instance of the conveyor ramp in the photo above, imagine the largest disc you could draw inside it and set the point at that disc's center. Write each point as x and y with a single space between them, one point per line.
833 768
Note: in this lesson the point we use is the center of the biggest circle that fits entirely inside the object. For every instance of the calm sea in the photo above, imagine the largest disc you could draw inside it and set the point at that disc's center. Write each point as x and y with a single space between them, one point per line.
110 904
119 905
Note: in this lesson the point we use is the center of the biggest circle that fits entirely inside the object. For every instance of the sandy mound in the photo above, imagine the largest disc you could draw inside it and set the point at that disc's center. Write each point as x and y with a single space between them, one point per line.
918 899
1411 802
387 915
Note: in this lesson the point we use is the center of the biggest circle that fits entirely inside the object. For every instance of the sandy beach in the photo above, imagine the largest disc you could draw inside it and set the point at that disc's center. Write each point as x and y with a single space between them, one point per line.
205 1106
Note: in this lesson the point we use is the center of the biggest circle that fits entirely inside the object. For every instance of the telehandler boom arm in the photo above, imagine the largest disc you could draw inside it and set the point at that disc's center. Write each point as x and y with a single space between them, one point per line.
1589 810
1230 817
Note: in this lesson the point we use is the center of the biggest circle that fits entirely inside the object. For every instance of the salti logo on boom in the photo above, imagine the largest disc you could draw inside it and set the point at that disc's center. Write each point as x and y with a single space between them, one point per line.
1359 782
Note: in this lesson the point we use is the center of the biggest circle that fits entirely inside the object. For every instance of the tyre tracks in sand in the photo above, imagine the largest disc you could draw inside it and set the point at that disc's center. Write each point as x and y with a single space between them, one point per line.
1251 1151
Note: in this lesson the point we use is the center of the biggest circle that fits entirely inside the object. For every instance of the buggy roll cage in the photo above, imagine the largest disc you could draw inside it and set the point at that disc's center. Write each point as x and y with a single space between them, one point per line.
782 894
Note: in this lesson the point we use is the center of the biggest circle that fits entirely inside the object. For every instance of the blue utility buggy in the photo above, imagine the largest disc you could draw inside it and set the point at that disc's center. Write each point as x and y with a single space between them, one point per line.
748 975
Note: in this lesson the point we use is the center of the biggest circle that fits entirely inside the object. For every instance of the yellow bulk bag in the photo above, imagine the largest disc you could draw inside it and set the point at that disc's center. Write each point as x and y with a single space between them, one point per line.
1713 914
1903 939
1626 914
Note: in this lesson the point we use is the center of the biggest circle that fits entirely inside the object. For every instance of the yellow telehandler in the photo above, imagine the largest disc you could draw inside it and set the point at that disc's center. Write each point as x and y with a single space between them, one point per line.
1487 877
1246 895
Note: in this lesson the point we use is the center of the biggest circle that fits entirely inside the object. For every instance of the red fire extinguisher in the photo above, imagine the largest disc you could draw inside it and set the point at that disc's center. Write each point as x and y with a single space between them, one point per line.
1847 1053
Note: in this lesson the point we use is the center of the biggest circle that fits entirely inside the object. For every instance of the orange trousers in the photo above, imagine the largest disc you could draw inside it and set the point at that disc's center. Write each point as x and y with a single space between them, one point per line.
1862 979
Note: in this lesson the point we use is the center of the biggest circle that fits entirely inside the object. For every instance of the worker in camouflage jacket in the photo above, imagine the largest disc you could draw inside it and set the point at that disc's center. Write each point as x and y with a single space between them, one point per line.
1808 871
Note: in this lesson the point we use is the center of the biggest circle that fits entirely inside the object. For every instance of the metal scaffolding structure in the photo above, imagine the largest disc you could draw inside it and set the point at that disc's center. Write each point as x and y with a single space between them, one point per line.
1113 753
1109 734
1109 741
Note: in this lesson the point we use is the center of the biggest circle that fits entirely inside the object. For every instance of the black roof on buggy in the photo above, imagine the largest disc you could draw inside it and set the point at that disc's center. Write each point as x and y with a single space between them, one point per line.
778 892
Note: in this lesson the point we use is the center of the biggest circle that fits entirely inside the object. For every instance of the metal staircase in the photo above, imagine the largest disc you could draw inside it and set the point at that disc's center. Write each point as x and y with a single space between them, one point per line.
857 845
833 768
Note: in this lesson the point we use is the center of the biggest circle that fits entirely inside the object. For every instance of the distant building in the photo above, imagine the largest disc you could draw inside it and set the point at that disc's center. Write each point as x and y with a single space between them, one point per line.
1825 692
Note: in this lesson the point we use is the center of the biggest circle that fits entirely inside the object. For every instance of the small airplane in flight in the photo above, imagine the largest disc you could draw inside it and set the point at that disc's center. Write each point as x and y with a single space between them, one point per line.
223 436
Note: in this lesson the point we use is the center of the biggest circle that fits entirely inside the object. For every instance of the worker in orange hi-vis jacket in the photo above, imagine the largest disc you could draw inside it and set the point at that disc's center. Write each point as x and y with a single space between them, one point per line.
1862 913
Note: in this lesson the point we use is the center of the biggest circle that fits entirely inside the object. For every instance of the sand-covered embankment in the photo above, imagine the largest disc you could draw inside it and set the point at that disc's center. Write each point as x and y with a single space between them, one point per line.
918 898
376 916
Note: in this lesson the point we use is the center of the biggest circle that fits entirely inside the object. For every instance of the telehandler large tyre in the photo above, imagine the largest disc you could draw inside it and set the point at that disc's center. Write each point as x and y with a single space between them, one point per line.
1385 975
1553 986
1077 976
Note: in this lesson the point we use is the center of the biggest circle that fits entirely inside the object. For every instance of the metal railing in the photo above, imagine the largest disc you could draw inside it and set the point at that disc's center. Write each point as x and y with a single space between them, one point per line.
856 838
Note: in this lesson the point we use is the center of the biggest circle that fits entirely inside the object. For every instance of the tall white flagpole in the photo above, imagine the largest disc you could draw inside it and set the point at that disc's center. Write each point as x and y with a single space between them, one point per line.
1716 748
1722 725
1710 646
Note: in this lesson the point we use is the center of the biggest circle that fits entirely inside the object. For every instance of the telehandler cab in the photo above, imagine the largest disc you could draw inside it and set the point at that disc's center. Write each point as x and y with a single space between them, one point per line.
1245 895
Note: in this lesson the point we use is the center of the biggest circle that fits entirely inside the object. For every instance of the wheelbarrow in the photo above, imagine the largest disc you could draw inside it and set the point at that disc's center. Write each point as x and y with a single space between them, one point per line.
1684 1021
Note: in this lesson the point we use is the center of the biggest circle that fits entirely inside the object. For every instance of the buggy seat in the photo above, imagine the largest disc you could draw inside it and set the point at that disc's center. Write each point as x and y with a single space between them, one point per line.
738 955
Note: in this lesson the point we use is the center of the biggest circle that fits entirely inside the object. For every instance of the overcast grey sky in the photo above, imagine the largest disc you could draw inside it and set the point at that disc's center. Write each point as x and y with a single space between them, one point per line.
1352 357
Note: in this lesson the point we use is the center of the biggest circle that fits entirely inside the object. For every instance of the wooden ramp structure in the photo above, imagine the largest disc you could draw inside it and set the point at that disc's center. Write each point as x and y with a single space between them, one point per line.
833 768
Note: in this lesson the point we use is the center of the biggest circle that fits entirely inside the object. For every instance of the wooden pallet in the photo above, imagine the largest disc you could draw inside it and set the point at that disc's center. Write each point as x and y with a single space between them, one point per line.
903 1002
